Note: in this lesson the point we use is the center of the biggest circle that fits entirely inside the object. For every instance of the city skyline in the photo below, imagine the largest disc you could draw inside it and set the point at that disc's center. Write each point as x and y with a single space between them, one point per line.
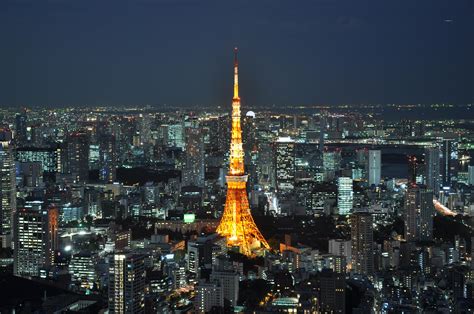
134 179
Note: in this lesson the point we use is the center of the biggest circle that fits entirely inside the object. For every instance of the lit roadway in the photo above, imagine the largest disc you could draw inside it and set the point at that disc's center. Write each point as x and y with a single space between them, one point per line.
443 210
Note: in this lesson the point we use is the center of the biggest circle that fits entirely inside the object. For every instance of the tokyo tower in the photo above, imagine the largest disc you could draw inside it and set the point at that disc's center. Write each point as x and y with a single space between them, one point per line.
237 224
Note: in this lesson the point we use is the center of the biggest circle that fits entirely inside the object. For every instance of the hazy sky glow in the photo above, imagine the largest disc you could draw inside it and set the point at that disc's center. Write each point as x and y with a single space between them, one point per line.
291 52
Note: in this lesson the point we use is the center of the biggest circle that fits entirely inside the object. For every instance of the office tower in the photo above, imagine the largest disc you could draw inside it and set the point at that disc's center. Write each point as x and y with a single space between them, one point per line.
470 173
7 186
412 169
49 157
193 170
449 162
127 283
374 166
77 156
322 130
107 158
82 270
340 247
331 160
285 164
344 195
52 240
178 275
331 287
432 169
35 237
175 136
209 295
237 224
229 280
419 212
200 253
362 243
21 133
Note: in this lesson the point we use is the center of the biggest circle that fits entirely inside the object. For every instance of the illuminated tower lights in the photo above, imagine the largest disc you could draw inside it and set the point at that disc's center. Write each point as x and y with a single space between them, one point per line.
237 224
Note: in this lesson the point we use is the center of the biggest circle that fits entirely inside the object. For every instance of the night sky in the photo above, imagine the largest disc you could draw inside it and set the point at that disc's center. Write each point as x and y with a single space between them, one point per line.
179 52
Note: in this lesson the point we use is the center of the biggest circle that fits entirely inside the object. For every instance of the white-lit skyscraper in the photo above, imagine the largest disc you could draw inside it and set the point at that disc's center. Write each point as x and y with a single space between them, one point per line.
285 164
470 172
127 283
35 239
7 186
344 195
374 167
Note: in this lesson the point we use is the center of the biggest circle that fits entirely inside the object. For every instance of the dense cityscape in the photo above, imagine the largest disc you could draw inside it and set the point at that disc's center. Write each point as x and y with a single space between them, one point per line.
318 209
183 156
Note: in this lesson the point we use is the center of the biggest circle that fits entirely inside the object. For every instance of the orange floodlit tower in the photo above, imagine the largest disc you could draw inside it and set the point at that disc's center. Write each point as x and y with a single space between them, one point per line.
237 224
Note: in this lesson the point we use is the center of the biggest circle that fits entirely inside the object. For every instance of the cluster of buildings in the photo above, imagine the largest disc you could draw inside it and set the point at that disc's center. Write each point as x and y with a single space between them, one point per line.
136 210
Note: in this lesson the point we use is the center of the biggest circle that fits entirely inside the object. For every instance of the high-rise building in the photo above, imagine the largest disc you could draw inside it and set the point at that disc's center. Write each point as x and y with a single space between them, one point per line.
50 157
470 171
175 135
285 164
344 195
77 156
127 283
21 133
82 270
374 166
107 158
362 239
229 280
413 169
237 224
208 295
432 169
7 186
331 291
449 161
35 237
193 171
340 247
419 212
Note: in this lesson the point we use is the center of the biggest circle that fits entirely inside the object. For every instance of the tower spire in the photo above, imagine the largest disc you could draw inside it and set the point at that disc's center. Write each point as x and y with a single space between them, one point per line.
236 75
237 224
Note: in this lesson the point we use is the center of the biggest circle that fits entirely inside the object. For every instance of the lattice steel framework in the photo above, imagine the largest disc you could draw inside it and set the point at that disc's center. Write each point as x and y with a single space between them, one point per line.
237 224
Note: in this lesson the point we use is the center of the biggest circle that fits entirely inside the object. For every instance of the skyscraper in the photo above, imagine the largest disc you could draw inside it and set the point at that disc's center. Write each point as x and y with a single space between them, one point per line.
229 280
21 136
374 165
285 164
470 173
208 295
127 283
344 195
450 161
412 169
77 156
331 291
237 224
107 158
362 238
432 169
193 172
35 238
419 211
7 186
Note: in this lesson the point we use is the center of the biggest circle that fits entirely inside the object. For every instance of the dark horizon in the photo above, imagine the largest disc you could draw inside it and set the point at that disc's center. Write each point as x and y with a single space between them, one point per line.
60 52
